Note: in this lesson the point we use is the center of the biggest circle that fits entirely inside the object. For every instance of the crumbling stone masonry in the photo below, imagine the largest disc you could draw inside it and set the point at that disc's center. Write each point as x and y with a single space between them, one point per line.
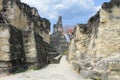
96 49
24 37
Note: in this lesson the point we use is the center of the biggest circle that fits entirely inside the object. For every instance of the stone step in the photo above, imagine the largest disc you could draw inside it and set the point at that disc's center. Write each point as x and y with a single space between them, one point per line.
114 73
4 64
114 77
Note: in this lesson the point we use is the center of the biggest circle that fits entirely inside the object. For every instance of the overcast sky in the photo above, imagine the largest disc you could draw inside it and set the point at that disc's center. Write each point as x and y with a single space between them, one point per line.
72 11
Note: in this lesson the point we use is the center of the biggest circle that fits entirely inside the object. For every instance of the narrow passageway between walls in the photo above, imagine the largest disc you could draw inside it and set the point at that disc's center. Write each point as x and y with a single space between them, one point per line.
61 71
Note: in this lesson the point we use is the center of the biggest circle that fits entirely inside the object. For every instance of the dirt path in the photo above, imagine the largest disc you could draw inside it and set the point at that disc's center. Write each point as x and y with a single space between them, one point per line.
62 71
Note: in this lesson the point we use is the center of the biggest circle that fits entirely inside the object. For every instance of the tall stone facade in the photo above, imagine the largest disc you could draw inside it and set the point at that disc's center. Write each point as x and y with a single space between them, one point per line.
58 39
24 36
96 49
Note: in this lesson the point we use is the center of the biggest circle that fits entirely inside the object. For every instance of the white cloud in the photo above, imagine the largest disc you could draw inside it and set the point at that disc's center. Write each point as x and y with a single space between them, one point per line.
98 8
71 10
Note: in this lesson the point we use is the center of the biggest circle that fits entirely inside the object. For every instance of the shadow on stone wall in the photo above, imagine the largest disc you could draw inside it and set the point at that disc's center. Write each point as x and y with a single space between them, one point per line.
17 52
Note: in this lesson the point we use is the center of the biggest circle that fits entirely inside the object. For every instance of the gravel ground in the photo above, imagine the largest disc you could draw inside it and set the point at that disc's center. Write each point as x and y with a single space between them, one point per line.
61 71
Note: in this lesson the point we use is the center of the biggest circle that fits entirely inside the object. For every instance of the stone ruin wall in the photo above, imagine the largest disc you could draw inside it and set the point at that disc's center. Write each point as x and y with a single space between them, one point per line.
24 37
96 54
11 48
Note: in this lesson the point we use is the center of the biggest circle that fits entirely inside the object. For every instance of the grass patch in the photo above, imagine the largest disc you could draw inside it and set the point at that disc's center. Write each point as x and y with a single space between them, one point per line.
65 52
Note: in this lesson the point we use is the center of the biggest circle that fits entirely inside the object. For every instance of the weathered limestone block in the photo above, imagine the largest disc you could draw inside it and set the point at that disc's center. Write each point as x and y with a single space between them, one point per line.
4 46
30 46
109 66
78 48
4 56
104 16
14 14
71 52
1 4
5 67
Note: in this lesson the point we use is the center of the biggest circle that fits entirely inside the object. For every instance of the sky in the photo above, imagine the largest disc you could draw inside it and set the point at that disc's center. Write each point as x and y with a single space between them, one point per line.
72 11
